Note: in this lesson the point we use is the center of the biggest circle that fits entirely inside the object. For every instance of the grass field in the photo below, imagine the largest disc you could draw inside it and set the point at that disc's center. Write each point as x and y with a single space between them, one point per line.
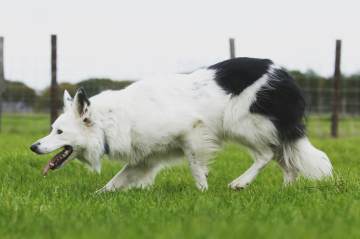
63 204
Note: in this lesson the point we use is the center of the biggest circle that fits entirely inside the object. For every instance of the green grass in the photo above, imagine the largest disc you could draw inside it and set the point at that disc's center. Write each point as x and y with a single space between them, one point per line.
63 204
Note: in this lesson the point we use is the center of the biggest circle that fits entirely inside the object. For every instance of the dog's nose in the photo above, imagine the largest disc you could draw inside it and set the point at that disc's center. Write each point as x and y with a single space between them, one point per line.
34 146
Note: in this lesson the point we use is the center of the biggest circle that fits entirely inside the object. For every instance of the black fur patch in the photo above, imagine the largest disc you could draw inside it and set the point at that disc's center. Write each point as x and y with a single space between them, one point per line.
82 96
282 101
237 74
82 99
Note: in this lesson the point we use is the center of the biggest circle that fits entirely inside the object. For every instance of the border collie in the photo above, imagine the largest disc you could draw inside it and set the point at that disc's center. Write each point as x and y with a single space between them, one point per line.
154 122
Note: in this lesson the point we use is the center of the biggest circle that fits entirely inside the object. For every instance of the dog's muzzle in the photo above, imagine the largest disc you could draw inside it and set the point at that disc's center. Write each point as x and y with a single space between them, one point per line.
34 147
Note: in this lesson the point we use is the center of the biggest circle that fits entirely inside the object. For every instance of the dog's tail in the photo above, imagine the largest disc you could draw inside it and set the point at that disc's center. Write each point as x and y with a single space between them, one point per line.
309 161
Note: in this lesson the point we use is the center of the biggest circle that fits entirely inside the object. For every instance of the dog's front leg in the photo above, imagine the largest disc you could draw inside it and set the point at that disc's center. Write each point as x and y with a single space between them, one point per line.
139 175
197 156
198 171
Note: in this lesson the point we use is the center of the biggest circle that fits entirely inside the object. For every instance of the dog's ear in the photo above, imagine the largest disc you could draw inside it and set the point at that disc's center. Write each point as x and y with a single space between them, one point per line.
68 101
81 103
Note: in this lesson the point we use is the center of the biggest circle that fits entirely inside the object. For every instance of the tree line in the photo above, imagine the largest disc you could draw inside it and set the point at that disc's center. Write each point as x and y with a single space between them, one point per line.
19 92
317 89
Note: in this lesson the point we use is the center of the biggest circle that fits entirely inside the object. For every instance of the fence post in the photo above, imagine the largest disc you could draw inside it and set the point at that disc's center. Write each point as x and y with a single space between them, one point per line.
336 92
2 77
53 90
232 48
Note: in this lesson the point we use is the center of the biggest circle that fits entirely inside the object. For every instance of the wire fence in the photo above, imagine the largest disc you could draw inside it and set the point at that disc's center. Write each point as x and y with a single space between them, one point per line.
27 93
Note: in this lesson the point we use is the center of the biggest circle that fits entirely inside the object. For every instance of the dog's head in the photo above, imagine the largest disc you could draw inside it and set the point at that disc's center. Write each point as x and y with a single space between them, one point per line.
70 132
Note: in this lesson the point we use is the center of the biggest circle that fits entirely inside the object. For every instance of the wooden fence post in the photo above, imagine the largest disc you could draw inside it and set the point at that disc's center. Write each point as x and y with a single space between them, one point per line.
232 48
336 92
2 77
54 90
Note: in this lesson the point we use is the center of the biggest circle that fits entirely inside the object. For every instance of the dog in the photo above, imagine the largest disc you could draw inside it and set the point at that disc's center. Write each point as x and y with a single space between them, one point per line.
152 123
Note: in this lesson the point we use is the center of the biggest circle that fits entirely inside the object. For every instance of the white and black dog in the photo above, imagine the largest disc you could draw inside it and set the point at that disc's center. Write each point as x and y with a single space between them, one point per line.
153 122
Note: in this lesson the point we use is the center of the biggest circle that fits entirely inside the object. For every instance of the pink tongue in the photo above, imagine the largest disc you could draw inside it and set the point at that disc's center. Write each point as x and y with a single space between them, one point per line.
53 160
47 167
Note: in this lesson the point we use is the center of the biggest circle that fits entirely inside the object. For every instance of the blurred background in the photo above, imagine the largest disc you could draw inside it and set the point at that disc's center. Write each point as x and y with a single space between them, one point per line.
110 44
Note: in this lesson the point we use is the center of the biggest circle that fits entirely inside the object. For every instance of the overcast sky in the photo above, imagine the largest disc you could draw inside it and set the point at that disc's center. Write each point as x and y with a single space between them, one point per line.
140 39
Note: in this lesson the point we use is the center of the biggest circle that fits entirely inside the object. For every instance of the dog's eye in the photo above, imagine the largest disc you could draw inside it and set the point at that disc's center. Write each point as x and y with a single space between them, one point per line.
85 120
59 131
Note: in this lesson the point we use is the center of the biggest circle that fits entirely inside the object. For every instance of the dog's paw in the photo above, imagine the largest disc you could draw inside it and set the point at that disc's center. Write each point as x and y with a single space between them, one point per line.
102 190
238 185
202 186
99 191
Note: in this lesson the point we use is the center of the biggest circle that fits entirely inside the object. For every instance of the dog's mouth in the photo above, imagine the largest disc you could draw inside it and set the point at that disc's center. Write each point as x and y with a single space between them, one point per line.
59 160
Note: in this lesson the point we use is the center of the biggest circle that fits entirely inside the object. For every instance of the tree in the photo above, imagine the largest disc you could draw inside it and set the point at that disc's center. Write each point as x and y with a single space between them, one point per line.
16 91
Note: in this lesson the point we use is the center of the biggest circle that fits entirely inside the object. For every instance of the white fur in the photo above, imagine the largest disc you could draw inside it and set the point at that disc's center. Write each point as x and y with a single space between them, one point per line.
153 122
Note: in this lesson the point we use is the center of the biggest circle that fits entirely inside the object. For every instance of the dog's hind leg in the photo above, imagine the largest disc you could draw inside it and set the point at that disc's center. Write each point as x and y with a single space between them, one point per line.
290 174
140 175
262 159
